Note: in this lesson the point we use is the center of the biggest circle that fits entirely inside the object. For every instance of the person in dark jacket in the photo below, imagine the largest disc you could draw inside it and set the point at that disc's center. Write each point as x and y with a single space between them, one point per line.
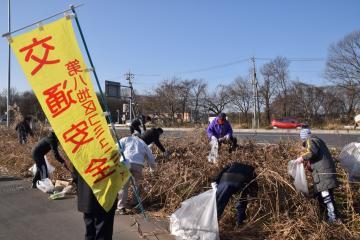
44 146
140 121
98 223
23 130
235 178
322 166
220 129
153 136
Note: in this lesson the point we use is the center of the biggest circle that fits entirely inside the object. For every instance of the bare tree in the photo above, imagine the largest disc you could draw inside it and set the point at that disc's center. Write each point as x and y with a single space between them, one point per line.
218 99
334 105
306 101
240 92
267 89
184 92
168 94
343 69
199 96
343 62
280 69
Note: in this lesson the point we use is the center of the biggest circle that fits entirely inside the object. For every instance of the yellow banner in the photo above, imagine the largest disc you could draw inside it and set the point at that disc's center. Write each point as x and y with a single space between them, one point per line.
53 64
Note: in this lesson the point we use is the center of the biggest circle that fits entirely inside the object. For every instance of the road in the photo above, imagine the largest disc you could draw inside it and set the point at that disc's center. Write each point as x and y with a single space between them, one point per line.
28 214
333 138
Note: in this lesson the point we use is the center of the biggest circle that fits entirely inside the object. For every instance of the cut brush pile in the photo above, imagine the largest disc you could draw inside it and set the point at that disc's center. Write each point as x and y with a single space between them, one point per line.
279 212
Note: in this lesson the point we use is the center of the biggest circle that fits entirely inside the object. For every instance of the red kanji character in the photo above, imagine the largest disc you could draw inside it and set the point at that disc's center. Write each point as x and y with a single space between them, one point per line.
115 155
57 100
42 61
103 143
79 137
73 67
89 107
96 165
82 80
93 123
122 175
83 95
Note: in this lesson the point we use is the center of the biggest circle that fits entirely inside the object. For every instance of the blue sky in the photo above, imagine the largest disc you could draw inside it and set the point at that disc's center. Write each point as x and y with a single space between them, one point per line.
161 39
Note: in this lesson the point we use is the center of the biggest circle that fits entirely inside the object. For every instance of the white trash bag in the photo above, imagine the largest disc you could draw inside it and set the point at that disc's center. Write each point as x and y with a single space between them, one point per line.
196 219
350 159
214 152
50 167
297 171
62 194
45 185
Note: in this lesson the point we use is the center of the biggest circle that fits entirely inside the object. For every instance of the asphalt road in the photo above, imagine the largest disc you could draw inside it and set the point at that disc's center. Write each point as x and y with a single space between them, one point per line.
333 138
28 214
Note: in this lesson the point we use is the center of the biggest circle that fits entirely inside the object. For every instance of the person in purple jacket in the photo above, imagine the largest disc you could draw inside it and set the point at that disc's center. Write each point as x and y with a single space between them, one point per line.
221 130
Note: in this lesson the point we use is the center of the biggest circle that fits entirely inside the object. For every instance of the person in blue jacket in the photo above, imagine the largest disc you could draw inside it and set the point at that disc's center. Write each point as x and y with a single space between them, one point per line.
220 129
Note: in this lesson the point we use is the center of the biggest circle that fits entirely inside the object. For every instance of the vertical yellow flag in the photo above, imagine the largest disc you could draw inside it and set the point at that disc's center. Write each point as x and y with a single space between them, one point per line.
53 64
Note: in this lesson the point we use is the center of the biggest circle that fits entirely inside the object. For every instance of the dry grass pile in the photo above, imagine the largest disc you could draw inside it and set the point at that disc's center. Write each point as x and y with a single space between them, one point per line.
15 159
278 212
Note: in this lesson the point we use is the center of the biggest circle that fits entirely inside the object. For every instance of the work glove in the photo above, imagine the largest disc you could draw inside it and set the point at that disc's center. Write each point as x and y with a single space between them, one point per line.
214 185
299 160
213 138
221 140
227 137
166 154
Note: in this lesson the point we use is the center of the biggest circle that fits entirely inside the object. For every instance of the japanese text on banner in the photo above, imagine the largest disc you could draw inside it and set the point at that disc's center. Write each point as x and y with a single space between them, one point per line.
54 66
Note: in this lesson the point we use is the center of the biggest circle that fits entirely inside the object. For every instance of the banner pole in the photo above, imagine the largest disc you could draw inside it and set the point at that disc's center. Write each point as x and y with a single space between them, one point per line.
108 115
42 20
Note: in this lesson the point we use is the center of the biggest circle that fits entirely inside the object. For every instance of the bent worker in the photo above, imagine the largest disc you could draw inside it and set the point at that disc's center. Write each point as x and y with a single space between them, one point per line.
140 121
23 130
98 223
136 152
319 161
236 178
153 136
220 129
38 152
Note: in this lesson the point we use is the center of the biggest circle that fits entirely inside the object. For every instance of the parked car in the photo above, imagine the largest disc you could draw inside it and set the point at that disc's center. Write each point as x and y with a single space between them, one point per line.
286 123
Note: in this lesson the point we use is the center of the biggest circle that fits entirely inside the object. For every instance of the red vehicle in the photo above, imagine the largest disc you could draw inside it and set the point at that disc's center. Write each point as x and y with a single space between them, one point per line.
286 123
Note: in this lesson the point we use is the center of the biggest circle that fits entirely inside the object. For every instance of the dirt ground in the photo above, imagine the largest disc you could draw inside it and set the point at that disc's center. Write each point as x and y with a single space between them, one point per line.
278 212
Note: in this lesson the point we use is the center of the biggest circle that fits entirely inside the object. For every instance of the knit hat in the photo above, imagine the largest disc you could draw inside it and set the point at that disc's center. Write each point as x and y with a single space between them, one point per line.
305 133
222 116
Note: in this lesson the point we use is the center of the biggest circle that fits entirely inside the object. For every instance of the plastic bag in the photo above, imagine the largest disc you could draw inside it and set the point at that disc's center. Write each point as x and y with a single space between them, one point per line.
196 218
214 152
50 167
45 185
297 171
350 159
60 195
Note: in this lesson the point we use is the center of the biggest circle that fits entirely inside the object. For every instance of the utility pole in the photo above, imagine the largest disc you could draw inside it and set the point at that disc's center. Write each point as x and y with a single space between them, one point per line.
9 72
255 122
129 77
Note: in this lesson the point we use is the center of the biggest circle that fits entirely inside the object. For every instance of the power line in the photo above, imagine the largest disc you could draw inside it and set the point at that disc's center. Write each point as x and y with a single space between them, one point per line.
214 67
312 59
223 65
